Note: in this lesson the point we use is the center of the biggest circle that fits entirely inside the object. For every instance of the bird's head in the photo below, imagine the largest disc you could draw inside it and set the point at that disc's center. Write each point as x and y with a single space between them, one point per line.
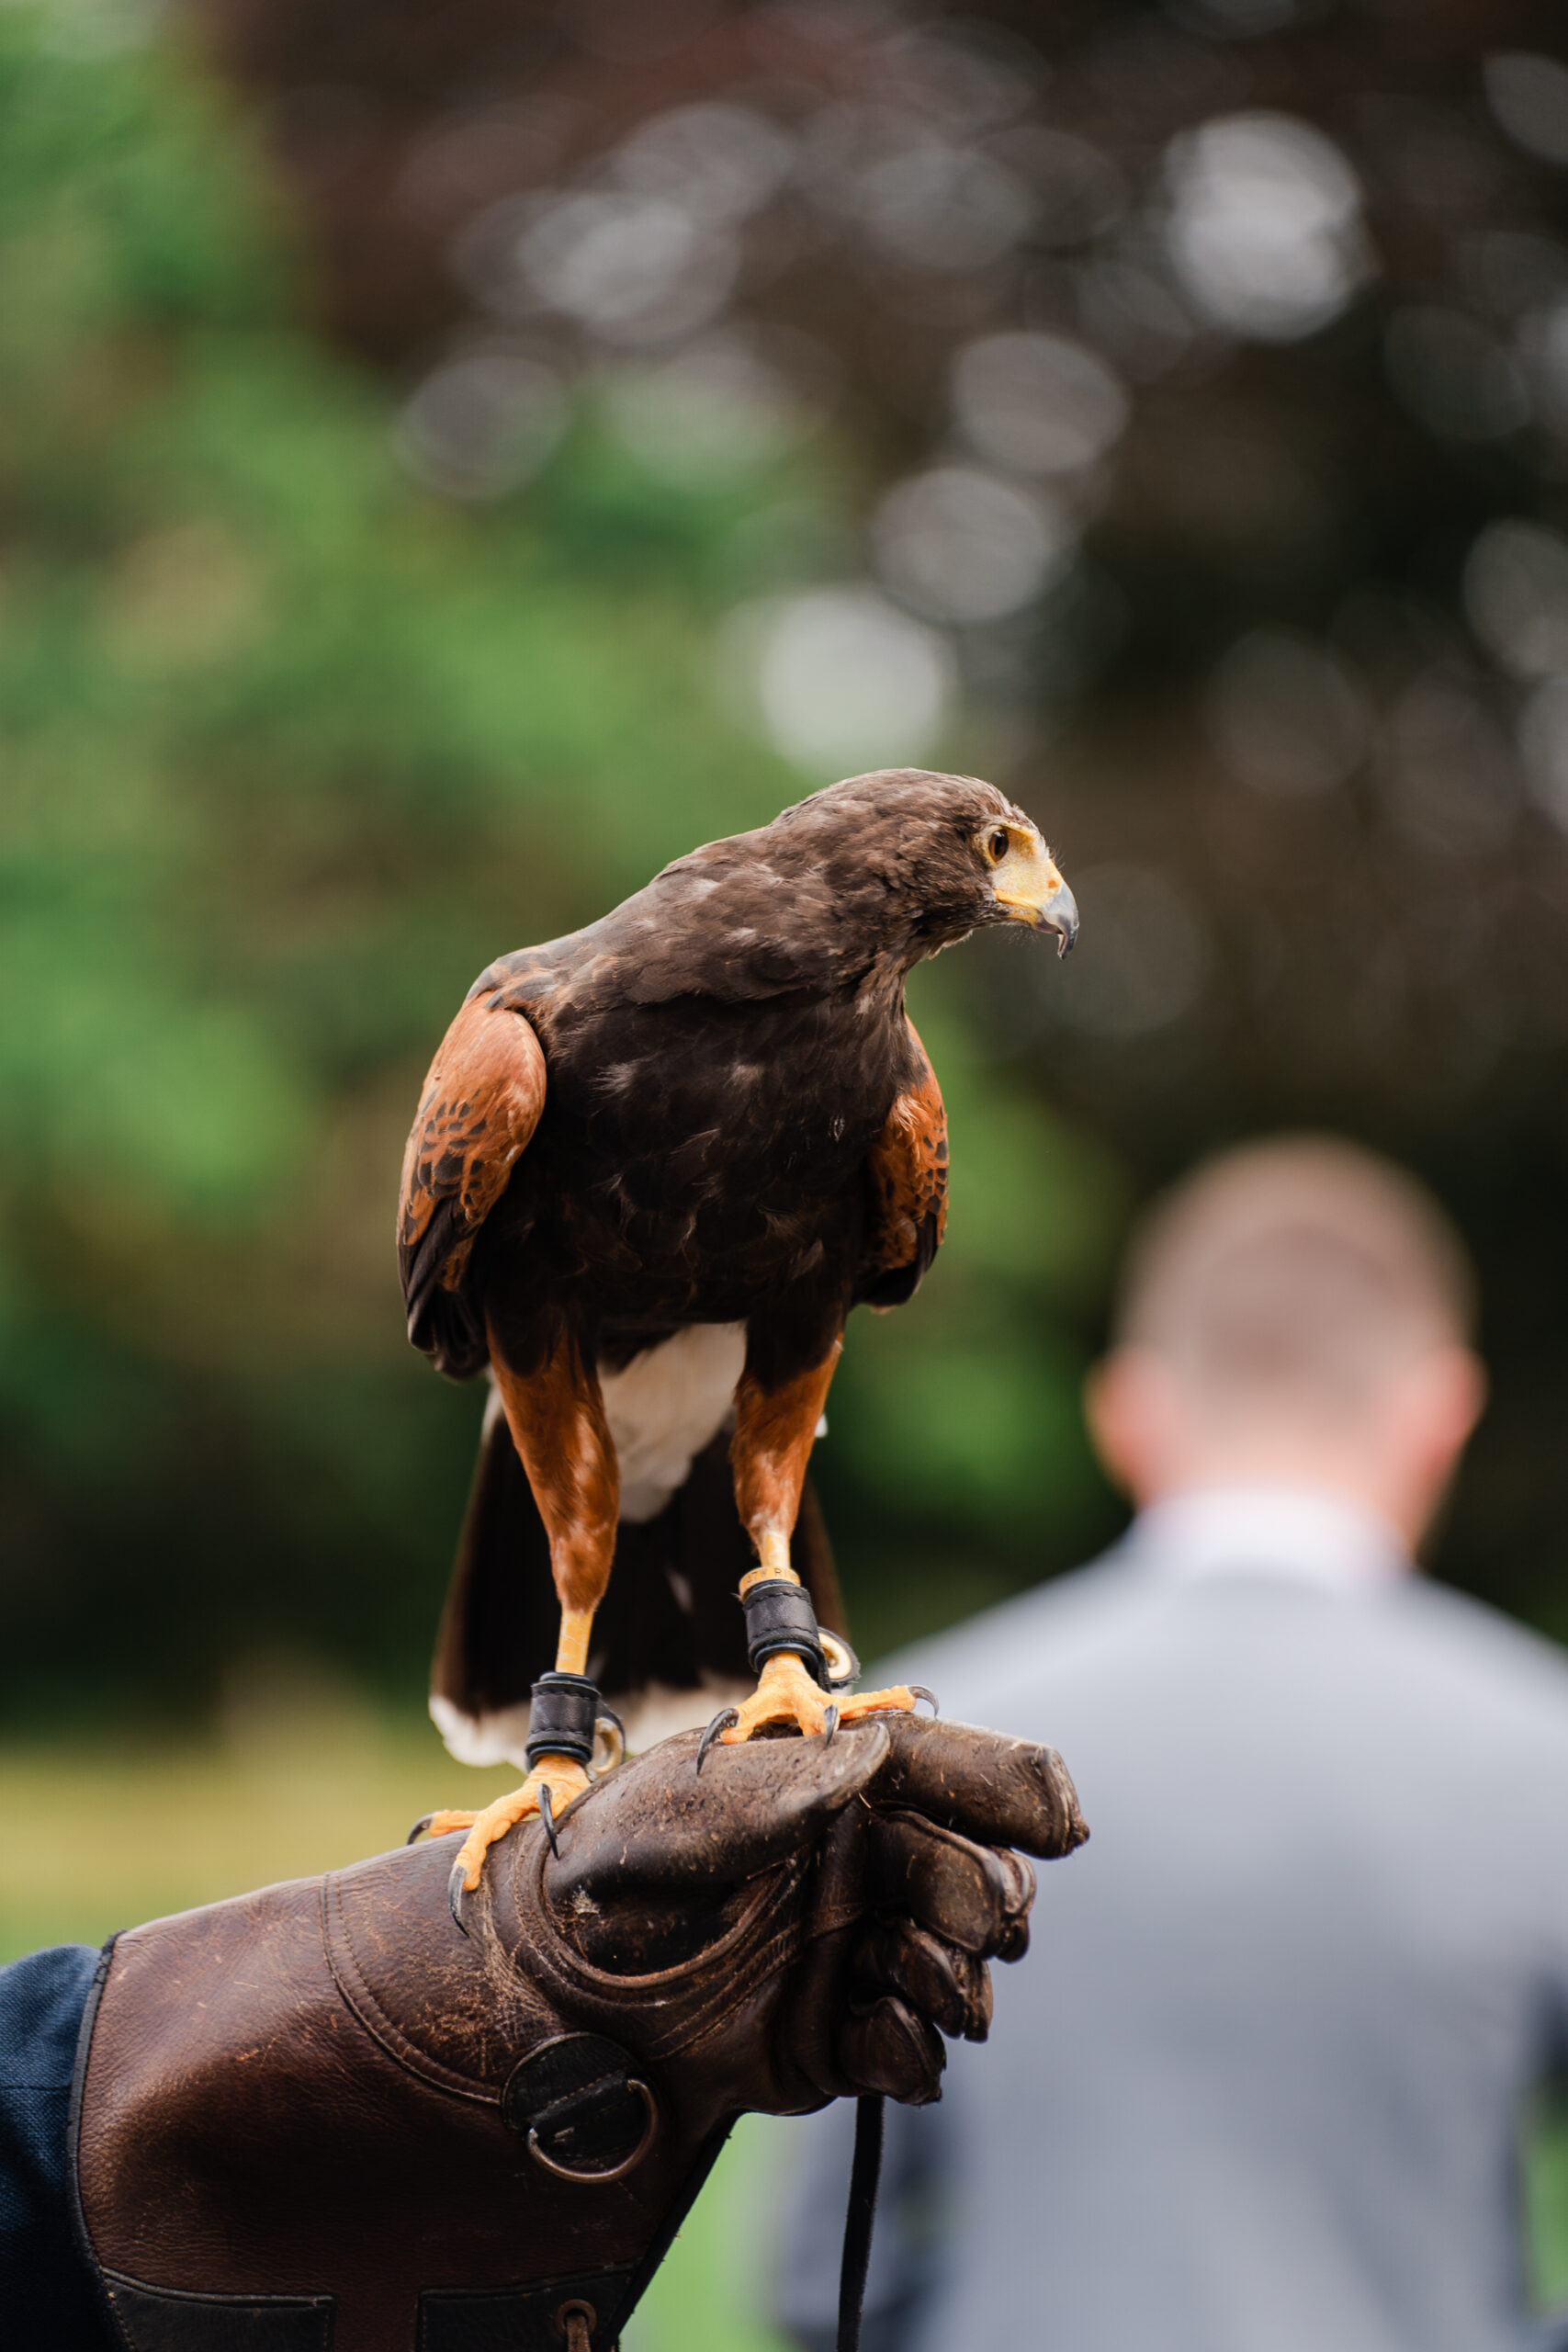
1023 881
943 855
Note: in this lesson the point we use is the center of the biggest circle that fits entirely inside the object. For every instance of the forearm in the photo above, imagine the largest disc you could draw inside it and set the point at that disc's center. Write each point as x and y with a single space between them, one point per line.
48 2295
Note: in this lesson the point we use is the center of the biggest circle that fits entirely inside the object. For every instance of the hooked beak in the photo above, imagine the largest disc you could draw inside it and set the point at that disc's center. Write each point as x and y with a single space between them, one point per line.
1028 886
1061 915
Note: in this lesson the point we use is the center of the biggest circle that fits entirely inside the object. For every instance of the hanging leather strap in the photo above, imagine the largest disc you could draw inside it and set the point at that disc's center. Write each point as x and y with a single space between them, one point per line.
865 2174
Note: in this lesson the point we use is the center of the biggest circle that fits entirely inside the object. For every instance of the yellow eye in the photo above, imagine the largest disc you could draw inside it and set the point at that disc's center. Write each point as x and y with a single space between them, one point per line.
997 845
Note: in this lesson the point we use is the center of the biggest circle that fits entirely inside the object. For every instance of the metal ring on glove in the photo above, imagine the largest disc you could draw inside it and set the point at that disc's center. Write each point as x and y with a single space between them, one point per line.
586 2179
587 2320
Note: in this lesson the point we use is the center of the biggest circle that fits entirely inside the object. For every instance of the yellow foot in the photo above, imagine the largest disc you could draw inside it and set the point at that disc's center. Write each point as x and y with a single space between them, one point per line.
786 1693
437 1825
549 1788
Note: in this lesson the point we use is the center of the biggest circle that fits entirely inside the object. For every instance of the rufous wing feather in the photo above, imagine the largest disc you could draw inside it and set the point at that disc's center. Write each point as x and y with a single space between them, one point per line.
480 1105
907 1189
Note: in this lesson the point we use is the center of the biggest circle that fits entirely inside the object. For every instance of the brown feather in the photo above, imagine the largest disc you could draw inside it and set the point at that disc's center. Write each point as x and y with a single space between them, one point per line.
481 1102
906 1183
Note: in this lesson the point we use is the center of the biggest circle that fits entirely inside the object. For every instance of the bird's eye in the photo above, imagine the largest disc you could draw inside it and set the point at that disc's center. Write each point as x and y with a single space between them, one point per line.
997 845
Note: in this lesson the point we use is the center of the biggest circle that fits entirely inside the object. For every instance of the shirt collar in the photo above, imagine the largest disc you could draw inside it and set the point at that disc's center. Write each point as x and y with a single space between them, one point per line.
1300 1532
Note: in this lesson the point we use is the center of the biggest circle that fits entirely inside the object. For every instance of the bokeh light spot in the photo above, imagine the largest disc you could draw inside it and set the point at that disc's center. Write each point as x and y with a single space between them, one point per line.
1516 592
481 423
1264 229
1528 94
843 680
960 545
933 205
631 268
1543 748
721 161
1285 717
1038 404
716 412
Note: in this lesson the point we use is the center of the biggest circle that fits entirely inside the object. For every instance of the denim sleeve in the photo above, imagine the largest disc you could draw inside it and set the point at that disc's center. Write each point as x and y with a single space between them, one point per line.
47 2296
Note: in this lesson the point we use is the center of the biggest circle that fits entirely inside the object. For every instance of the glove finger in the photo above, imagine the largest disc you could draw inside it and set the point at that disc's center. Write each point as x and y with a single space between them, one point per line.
953 1988
1001 1790
891 2050
975 1896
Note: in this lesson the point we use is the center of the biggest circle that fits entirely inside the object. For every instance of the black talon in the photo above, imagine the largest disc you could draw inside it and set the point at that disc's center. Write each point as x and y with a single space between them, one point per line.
420 1825
548 1816
456 1891
918 1691
721 1722
829 1723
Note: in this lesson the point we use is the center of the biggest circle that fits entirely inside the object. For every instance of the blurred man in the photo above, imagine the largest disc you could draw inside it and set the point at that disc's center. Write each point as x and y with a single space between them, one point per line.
1264 2094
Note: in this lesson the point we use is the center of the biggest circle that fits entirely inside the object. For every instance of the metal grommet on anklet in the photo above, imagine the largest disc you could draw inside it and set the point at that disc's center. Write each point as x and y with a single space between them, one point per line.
843 1665
609 1742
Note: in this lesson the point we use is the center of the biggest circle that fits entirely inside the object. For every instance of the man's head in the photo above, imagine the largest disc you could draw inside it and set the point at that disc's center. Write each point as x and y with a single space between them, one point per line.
1296 1311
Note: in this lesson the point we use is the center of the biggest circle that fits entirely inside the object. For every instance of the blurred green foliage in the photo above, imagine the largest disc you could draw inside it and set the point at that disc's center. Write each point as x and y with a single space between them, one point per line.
1543 2171
289 747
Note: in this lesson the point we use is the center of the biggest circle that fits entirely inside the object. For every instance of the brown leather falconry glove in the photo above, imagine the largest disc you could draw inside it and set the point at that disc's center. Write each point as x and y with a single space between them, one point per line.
319 2116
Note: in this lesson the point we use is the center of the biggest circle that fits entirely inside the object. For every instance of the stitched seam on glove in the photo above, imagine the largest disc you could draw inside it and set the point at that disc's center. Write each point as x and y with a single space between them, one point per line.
337 1939
744 1960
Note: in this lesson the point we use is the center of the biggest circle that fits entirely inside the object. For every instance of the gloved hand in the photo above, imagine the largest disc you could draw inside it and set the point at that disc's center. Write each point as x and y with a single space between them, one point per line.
318 2115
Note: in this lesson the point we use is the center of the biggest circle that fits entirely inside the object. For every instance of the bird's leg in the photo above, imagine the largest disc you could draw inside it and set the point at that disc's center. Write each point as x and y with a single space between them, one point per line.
775 1427
555 1414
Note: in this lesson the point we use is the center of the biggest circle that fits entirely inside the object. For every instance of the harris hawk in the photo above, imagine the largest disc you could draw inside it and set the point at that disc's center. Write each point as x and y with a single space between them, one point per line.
654 1165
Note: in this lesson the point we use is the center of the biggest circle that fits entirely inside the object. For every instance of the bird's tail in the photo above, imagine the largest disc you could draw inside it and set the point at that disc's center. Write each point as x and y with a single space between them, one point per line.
669 1637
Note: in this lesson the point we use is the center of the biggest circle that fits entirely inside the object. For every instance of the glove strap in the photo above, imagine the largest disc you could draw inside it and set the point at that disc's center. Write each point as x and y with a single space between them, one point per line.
560 1723
865 2172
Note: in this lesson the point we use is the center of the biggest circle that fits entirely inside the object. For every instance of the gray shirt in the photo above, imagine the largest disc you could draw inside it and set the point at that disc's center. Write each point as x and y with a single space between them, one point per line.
1257 2086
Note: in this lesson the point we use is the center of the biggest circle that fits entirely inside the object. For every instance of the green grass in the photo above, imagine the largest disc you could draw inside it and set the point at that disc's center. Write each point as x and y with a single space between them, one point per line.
708 2294
1544 2165
301 1778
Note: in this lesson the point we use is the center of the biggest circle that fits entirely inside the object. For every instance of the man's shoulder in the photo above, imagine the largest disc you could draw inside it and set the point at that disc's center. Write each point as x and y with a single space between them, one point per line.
1474 1642
1053 1627
1076 1633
